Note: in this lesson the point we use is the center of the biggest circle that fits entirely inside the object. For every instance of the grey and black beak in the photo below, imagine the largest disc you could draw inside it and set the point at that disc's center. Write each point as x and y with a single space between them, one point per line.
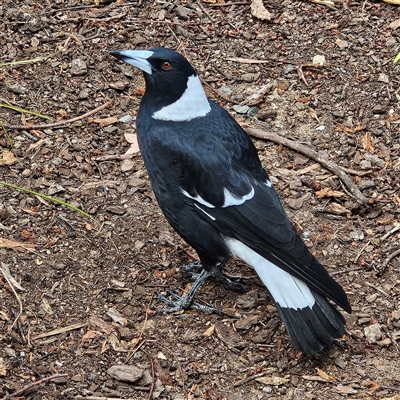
137 58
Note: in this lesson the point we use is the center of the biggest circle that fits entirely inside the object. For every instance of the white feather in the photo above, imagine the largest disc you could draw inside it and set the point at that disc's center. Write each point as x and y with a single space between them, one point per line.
208 215
232 200
287 291
198 198
192 104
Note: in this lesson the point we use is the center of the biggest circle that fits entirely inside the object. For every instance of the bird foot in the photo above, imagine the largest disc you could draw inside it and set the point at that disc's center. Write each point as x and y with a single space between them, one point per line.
181 303
216 272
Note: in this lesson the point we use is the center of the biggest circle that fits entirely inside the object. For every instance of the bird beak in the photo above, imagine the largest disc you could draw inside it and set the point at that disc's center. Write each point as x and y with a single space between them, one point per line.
138 58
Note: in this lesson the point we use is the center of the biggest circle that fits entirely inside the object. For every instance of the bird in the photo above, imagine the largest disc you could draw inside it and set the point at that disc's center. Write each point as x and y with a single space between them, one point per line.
215 193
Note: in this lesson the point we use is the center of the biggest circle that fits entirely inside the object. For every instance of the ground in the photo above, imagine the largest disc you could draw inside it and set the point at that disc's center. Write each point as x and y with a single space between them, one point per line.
87 286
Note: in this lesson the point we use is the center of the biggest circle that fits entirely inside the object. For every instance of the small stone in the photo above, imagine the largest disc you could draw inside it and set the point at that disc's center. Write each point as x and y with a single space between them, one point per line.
364 164
116 210
357 235
127 165
120 85
78 67
373 333
182 11
17 88
55 189
365 184
56 161
26 172
83 94
338 113
371 298
77 378
319 60
383 78
343 44
125 119
241 109
125 373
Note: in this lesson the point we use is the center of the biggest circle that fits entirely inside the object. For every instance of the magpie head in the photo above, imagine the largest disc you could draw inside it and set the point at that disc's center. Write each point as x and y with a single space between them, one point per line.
170 82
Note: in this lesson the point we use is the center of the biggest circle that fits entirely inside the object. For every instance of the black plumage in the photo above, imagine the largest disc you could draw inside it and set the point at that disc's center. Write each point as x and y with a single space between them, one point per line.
213 190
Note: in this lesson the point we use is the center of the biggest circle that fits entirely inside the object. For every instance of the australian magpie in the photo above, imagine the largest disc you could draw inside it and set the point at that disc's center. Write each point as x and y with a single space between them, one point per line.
213 190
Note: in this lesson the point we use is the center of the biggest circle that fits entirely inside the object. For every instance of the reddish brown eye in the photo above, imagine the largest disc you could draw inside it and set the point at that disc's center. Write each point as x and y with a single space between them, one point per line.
166 65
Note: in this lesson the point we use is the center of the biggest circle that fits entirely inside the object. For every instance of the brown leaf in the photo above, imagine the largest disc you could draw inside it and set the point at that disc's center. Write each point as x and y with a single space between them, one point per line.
342 389
368 143
325 376
11 244
3 369
209 331
106 121
7 158
259 11
372 385
395 24
313 378
328 192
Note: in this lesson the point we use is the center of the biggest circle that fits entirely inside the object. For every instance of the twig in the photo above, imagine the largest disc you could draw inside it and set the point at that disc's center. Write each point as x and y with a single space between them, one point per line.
106 398
389 257
205 11
59 123
16 296
360 252
301 75
395 229
237 3
248 379
344 271
390 336
153 380
192 392
354 172
329 165
378 289
31 385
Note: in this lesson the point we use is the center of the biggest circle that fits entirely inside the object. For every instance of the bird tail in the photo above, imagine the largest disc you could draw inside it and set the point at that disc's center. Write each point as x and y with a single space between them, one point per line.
313 328
310 319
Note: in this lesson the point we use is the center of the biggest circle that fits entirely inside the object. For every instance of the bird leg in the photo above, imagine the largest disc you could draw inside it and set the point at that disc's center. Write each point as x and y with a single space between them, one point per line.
216 272
186 301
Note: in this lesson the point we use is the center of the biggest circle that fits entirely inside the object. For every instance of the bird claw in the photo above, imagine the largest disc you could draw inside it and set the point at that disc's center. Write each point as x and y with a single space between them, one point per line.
181 303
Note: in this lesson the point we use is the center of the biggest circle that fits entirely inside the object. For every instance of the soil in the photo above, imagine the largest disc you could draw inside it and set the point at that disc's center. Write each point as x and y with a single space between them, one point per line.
87 286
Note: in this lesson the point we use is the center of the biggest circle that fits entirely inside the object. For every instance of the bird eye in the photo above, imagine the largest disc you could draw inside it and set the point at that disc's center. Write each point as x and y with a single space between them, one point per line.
166 65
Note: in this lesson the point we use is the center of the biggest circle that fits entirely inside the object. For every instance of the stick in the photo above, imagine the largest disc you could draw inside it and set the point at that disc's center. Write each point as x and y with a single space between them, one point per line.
329 165
390 256
31 385
59 123
153 380
395 229
16 296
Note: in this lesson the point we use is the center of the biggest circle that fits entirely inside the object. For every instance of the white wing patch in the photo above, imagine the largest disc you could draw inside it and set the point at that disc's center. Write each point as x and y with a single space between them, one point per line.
268 183
192 104
287 291
232 200
208 215
198 198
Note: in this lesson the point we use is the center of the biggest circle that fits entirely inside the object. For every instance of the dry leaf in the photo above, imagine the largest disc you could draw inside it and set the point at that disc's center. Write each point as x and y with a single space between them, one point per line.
7 158
89 336
325 376
259 11
132 139
106 121
395 24
328 192
273 380
313 378
208 332
367 142
3 369
342 389
11 244
372 385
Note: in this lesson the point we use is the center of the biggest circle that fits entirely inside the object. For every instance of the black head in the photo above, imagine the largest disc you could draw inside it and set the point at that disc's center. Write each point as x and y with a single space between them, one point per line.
173 90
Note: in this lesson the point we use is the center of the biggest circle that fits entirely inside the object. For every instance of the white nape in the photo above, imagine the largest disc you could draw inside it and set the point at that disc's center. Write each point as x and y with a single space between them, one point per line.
192 104
232 200
287 291
198 198
208 215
